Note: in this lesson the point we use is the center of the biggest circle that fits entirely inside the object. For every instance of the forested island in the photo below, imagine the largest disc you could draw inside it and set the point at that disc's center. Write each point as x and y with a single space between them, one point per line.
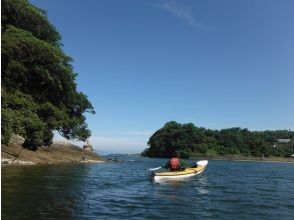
193 141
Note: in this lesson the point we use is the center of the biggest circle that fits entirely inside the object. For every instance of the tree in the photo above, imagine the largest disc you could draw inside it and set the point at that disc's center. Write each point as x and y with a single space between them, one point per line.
39 93
189 139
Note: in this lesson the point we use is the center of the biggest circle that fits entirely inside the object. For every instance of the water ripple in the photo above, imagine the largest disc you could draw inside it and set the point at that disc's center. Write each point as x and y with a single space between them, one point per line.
226 190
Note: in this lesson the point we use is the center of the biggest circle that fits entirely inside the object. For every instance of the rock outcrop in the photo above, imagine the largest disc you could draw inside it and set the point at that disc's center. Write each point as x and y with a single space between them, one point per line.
58 152
88 146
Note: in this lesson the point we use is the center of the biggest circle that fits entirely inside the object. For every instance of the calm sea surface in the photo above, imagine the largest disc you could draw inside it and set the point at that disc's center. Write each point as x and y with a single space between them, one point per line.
226 190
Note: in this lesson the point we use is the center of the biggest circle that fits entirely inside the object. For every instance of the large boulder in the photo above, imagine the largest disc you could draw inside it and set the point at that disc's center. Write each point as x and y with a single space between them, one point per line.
16 139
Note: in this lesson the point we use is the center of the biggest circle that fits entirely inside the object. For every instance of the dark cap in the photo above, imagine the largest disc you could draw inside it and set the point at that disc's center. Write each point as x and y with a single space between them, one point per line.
177 154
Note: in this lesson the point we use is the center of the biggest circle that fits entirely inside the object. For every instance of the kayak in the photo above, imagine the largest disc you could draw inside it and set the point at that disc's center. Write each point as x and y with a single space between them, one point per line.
182 174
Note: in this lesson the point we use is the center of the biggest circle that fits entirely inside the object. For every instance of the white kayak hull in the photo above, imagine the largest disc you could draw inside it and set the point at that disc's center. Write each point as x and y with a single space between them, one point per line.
179 175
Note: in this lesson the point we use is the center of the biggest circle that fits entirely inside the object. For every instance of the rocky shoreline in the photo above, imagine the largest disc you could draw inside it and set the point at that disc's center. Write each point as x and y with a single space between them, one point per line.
57 153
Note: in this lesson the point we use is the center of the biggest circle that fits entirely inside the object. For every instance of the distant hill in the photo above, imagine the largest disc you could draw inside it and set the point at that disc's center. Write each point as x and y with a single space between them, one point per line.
190 140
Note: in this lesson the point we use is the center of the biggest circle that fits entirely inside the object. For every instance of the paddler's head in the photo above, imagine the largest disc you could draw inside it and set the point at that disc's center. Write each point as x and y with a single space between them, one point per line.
176 154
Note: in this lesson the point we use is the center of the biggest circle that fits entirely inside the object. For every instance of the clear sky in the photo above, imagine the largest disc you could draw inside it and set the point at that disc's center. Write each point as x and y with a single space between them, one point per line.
216 64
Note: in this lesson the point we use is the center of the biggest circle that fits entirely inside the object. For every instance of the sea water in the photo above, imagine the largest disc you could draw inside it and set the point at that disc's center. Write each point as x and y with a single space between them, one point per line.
225 190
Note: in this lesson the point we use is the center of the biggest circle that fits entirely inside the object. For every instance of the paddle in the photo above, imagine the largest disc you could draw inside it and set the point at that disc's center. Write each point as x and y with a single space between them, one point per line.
157 168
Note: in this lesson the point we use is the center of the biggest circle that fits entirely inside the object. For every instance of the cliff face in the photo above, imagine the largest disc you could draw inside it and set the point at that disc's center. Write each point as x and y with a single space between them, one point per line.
58 152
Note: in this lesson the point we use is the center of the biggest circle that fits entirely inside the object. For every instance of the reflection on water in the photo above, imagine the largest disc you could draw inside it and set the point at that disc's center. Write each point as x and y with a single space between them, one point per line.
201 185
42 191
225 190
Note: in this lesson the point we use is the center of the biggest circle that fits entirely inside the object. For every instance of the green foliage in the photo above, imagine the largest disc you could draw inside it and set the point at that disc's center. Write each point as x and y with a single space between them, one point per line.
23 15
191 140
145 152
19 112
39 92
6 126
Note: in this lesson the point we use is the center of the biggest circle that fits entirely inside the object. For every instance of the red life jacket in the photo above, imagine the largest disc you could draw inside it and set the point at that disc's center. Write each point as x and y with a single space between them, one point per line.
174 163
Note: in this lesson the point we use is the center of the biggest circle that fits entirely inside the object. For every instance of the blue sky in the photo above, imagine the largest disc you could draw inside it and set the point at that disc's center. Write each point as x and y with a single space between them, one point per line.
217 64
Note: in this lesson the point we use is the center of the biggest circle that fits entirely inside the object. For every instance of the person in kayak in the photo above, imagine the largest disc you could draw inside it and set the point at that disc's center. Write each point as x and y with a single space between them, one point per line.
175 164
